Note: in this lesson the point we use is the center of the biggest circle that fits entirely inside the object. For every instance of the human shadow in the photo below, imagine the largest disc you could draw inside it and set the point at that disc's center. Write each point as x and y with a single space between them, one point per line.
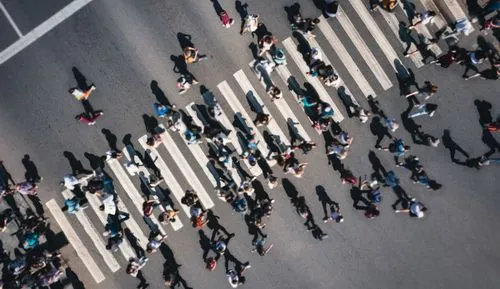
401 197
379 130
304 47
260 192
171 272
73 279
410 10
378 168
184 40
158 93
358 197
96 162
410 125
31 173
111 139
292 11
242 10
452 146
405 36
489 140
214 224
253 229
264 166
205 244
290 190
75 164
217 7
134 243
484 110
81 80
150 123
335 162
324 199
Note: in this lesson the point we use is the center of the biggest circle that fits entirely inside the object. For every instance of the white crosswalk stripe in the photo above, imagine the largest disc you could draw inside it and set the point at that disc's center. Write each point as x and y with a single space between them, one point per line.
94 236
453 11
186 170
291 48
376 33
283 107
70 233
362 48
344 56
395 26
240 112
254 98
191 110
238 144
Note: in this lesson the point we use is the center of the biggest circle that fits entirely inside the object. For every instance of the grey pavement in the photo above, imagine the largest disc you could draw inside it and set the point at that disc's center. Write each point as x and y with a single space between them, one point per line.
122 46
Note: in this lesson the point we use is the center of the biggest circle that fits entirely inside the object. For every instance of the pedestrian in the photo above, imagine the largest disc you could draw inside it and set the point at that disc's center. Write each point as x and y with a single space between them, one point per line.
168 216
423 18
82 95
425 49
89 118
185 82
337 149
274 92
298 169
344 138
134 269
72 206
190 198
155 242
454 55
262 119
259 247
234 278
472 59
26 188
423 109
305 146
335 214
427 91
108 203
266 43
397 147
192 55
389 5
163 110
250 23
416 209
113 155
492 73
225 19
148 207
346 176
279 57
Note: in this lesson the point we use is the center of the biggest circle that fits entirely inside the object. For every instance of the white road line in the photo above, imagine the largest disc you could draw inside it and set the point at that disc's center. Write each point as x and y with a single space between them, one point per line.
125 246
291 48
376 33
422 29
361 46
224 120
345 57
139 201
247 87
11 21
186 169
75 241
193 112
133 195
437 20
237 108
172 184
453 11
283 107
393 22
42 29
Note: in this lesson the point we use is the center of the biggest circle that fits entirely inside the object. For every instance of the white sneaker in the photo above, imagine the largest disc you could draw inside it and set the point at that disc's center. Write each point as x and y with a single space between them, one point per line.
432 113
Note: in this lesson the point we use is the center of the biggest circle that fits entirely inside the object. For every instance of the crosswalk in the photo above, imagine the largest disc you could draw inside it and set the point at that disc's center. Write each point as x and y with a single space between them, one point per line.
245 100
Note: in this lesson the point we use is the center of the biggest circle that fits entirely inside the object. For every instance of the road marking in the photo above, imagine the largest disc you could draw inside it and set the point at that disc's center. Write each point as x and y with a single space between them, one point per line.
345 57
283 108
361 46
247 88
453 11
42 29
233 137
376 33
393 22
237 108
197 119
138 201
291 48
94 236
75 241
186 170
11 21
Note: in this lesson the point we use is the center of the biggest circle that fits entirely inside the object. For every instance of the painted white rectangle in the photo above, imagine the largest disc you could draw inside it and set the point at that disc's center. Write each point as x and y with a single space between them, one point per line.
453 11
75 241
138 202
234 174
125 247
42 29
393 22
236 106
186 169
94 236
345 57
422 29
360 45
291 48
247 87
282 106
375 32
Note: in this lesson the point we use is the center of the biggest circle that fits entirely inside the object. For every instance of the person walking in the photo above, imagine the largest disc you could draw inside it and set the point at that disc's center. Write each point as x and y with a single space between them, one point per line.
82 95
225 19
423 18
397 147
134 269
423 109
472 59
185 82
89 118
266 43
192 55
427 91
416 209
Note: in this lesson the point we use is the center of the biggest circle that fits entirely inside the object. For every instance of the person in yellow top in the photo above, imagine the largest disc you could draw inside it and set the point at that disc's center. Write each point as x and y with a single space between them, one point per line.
80 94
191 55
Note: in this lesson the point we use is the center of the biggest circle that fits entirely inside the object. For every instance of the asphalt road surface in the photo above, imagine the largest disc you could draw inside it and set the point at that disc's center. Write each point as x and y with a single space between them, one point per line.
123 46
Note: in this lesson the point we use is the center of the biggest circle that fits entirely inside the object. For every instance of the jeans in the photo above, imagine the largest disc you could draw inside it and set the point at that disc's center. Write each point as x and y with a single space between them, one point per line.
421 110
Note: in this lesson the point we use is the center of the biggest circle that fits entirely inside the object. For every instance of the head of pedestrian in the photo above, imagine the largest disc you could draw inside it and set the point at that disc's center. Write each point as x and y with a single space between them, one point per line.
339 219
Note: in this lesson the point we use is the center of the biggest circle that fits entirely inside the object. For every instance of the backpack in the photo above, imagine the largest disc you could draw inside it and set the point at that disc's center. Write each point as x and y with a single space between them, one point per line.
376 196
